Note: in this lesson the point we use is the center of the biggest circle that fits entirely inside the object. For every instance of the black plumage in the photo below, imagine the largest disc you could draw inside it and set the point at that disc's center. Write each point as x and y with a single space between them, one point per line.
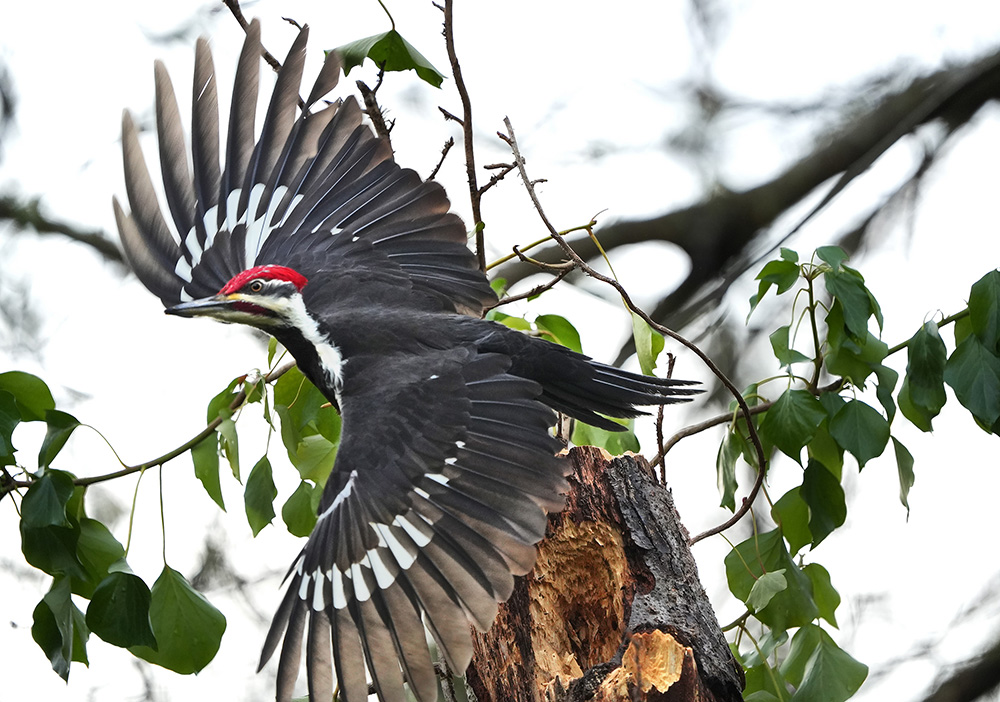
446 466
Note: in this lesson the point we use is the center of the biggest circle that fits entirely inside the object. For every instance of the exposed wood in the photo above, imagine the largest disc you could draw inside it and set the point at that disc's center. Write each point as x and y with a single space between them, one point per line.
613 609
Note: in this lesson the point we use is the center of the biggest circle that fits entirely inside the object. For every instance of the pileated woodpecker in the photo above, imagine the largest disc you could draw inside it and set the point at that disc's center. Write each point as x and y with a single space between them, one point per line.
446 466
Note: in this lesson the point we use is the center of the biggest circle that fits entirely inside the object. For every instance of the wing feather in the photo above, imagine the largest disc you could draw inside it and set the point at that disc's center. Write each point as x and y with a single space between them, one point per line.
205 140
425 528
174 166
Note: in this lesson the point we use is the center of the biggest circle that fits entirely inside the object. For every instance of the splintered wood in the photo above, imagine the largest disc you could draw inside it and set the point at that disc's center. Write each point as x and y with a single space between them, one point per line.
613 609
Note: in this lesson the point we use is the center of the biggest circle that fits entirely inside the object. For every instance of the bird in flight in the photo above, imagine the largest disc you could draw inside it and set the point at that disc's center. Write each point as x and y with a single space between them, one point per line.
446 466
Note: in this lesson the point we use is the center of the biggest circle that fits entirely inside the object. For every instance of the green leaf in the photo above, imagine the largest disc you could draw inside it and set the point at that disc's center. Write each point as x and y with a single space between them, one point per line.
820 670
52 549
849 355
258 496
973 372
766 553
926 357
791 514
59 628
299 512
834 256
904 463
98 550
559 330
10 417
784 274
272 349
186 627
32 394
918 416
119 611
59 428
860 429
826 597
518 323
499 287
313 458
229 442
825 497
779 345
765 588
765 647
765 684
648 344
219 405
45 501
205 456
887 378
984 310
848 287
730 450
792 420
823 447
788 254
614 442
391 52
305 407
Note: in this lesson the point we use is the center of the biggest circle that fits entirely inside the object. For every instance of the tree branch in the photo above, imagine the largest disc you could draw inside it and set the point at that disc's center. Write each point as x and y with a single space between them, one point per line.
28 215
475 195
717 232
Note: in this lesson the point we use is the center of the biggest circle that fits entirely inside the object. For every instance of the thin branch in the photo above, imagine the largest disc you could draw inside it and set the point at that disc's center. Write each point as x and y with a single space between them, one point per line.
444 153
238 400
583 266
537 290
504 169
234 7
372 108
25 215
470 156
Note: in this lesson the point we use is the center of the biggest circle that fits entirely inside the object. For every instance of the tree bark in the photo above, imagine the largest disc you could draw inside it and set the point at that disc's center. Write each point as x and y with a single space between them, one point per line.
613 609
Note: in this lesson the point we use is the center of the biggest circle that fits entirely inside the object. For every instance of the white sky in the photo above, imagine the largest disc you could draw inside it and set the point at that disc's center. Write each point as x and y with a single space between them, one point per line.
569 80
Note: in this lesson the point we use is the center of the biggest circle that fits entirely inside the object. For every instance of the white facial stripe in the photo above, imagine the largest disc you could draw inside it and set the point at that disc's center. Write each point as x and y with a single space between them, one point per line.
329 354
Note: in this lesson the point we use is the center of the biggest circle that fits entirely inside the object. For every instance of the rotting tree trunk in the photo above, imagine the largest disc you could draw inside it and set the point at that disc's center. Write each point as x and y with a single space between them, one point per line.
613 609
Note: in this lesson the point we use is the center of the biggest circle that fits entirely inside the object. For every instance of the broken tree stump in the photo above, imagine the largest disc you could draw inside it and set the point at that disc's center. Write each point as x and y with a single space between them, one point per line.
613 609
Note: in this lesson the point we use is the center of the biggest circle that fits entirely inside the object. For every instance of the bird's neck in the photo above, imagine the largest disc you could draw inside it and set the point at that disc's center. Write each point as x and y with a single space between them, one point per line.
319 359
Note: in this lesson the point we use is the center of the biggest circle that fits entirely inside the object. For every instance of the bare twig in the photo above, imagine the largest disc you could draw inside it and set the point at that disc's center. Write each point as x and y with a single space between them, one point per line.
537 290
504 169
373 110
583 266
444 153
449 116
234 7
470 155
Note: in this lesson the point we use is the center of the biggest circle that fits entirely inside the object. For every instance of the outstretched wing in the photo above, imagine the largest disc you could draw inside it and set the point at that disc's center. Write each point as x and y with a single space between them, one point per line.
316 191
426 526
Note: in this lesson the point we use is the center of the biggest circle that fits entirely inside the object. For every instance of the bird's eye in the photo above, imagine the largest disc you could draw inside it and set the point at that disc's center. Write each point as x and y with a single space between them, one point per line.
256 286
